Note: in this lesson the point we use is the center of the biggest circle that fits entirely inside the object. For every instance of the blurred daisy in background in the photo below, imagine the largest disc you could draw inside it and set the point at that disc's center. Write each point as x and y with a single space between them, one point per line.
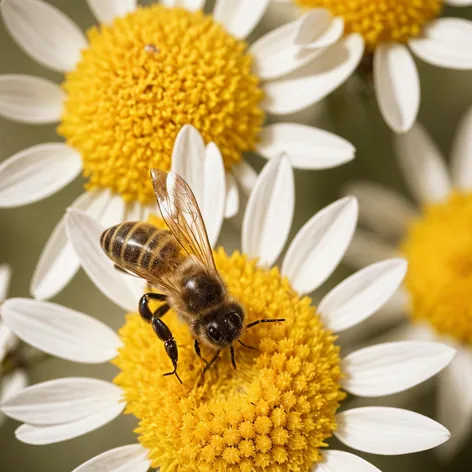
436 240
13 377
392 30
131 85
281 404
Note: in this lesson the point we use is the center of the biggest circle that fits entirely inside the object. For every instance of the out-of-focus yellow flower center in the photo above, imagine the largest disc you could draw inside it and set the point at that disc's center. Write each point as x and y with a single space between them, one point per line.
438 248
144 77
380 21
271 414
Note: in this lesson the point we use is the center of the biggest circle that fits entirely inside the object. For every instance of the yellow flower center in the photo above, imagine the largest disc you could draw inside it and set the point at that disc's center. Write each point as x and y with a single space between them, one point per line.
273 413
144 77
380 21
438 248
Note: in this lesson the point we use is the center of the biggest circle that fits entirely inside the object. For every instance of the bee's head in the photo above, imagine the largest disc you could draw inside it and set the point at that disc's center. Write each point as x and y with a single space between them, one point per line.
224 325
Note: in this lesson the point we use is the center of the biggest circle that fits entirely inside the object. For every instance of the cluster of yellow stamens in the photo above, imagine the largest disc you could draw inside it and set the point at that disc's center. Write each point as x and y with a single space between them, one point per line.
144 77
380 21
271 414
438 248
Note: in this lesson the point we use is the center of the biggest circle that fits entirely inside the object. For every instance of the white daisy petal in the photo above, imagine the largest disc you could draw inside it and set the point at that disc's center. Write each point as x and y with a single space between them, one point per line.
61 401
232 196
107 10
241 17
114 211
307 147
7 340
276 54
36 173
84 233
269 212
315 80
319 246
455 401
40 435
191 5
29 99
422 165
461 160
133 211
341 461
361 294
58 263
459 3
45 33
130 458
397 85
213 208
367 248
245 175
390 368
5 276
11 385
445 43
388 431
319 29
60 331
382 209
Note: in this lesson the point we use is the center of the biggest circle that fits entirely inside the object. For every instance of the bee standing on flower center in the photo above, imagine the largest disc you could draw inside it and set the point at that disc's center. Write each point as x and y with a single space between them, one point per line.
179 263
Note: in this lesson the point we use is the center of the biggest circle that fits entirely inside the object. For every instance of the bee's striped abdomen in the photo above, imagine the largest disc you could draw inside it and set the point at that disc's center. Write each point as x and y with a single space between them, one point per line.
140 246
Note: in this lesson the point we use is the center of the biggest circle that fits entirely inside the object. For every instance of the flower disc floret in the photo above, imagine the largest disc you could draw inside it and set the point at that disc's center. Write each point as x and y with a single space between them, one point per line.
438 248
381 21
144 77
273 413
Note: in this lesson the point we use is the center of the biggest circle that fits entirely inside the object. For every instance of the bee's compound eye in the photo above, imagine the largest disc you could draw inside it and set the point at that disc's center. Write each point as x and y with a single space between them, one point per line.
234 319
214 334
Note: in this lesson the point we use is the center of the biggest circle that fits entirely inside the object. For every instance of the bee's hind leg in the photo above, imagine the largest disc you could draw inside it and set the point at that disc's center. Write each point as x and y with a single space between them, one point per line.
160 328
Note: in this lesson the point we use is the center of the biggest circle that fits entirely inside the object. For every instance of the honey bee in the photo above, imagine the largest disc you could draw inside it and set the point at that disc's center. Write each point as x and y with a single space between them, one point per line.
179 264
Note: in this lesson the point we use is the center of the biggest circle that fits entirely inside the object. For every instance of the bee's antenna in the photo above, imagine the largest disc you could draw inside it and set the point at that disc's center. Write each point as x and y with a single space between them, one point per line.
254 323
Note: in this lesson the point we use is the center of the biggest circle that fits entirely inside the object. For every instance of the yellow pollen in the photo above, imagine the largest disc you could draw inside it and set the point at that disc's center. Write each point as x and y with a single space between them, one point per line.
438 247
273 413
144 77
381 21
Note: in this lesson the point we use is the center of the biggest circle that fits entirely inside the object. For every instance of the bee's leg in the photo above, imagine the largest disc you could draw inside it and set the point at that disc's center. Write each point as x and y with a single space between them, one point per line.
198 352
161 329
213 360
231 350
145 312
254 323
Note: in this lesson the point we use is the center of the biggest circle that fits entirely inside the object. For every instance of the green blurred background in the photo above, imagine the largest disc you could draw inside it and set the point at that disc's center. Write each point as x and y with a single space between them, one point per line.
445 97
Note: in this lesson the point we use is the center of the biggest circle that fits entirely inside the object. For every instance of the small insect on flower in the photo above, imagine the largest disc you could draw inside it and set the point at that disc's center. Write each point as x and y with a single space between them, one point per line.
188 280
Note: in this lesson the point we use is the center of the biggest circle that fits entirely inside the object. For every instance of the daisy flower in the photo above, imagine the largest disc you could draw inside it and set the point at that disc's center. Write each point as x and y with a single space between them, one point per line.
131 85
393 31
281 404
436 240
12 379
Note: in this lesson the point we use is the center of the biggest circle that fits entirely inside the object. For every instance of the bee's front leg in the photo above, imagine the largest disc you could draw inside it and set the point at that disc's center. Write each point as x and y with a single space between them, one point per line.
160 328
198 352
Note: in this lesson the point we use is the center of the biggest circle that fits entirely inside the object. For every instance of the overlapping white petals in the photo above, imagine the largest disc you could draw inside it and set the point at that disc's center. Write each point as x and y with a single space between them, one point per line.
30 99
191 5
454 401
423 166
307 147
390 368
388 431
269 212
114 211
36 173
341 461
316 80
241 17
60 331
49 434
276 53
445 42
319 246
44 32
58 262
61 401
382 209
461 160
107 10
362 294
130 458
397 85
245 175
84 234
319 29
